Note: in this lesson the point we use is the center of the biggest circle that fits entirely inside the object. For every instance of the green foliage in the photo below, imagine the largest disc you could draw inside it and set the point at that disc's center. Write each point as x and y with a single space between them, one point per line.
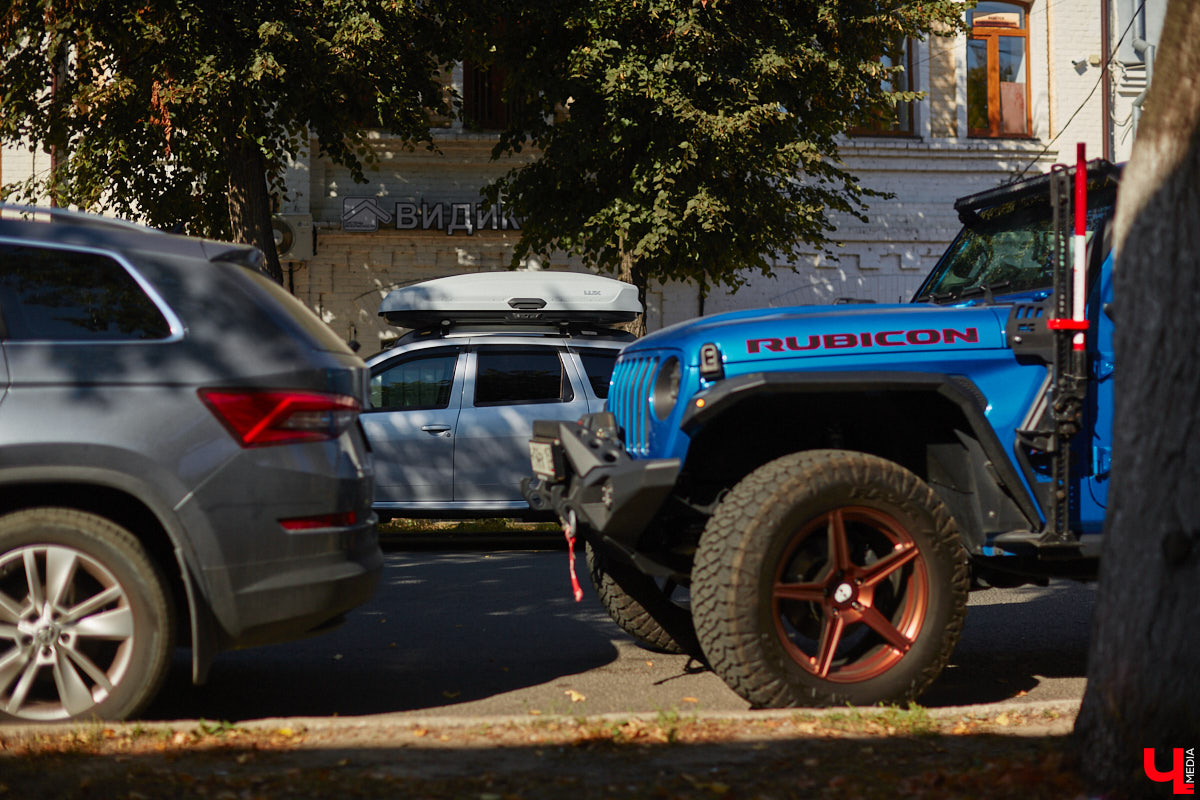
698 137
152 98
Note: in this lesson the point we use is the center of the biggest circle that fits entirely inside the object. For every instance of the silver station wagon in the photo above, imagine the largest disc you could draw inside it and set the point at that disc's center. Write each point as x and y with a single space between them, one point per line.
452 403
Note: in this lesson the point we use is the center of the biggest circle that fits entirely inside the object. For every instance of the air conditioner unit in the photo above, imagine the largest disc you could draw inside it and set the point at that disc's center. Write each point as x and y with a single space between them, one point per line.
294 236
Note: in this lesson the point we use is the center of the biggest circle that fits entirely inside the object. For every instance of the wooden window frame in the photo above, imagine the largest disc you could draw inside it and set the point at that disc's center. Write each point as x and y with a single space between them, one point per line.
991 35
483 97
905 113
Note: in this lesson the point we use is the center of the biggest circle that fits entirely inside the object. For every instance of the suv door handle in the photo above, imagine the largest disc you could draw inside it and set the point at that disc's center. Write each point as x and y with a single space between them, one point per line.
436 428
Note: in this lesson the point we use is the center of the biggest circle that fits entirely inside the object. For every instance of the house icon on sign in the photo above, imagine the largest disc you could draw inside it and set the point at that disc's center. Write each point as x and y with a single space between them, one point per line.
362 214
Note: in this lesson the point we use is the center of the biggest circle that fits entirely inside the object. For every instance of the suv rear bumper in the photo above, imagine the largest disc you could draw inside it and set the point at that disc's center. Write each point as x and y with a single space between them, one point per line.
611 496
293 597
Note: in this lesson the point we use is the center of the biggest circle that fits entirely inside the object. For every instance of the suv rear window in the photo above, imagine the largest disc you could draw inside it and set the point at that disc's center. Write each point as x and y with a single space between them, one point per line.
53 294
598 364
534 375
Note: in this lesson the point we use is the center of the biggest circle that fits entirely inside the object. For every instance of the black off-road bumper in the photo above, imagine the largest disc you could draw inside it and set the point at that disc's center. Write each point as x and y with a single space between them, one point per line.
582 473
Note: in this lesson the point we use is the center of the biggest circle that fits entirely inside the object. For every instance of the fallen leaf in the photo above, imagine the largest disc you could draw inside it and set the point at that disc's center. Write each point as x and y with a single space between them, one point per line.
420 732
690 700
179 738
961 728
286 733
1002 720
575 696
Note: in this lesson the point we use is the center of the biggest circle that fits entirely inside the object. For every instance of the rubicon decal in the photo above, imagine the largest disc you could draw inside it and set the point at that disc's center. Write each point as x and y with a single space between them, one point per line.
841 341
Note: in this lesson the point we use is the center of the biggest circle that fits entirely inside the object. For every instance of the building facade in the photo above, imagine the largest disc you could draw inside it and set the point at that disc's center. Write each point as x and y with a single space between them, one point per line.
1013 97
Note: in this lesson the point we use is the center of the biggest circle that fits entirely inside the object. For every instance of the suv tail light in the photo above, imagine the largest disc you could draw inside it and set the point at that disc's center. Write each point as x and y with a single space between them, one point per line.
257 417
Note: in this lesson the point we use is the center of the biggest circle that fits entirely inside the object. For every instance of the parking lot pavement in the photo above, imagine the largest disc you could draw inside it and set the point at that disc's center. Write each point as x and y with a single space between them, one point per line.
483 627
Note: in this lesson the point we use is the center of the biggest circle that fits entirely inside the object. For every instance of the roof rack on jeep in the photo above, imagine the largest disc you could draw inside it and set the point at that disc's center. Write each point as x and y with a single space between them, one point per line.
83 218
1038 186
524 298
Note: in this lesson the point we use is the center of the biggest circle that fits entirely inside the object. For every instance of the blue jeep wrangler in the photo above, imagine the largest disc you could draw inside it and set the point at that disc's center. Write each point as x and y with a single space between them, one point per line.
805 496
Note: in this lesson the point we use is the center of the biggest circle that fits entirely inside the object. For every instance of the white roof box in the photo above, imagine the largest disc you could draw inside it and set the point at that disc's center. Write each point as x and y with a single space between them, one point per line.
525 297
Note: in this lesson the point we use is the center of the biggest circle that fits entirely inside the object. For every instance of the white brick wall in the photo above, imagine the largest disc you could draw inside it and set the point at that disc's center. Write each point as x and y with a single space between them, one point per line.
17 163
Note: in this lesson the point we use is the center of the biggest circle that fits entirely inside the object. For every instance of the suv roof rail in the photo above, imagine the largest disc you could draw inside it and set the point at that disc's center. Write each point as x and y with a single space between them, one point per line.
83 218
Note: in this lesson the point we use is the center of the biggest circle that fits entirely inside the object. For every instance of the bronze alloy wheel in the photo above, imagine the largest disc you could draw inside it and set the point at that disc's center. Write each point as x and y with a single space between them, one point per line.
868 597
829 577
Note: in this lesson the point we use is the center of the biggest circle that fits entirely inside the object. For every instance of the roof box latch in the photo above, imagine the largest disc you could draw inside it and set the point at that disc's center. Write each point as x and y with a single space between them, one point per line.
527 303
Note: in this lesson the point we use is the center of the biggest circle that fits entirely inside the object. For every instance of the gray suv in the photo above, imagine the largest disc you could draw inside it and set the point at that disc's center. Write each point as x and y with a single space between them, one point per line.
181 462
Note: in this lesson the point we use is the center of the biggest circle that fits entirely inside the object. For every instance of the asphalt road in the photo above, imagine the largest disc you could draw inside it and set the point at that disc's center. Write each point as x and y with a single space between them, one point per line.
483 627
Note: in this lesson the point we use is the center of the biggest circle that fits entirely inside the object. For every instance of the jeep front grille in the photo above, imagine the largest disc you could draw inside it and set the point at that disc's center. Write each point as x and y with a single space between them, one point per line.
629 400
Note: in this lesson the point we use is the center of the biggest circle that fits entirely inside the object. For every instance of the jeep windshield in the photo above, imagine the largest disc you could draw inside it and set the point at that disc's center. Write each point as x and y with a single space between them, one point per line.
1006 248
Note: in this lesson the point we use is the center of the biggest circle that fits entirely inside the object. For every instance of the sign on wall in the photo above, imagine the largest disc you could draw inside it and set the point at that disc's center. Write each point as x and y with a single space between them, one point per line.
369 214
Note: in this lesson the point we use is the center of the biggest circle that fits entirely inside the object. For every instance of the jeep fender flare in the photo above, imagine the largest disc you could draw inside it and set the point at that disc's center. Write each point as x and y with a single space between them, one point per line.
708 405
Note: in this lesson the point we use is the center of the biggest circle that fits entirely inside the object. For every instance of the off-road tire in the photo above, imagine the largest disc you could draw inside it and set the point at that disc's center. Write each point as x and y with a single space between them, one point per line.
111 622
764 630
639 606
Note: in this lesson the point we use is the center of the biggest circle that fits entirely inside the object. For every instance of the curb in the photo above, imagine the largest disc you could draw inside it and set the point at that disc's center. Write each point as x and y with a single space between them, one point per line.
395 720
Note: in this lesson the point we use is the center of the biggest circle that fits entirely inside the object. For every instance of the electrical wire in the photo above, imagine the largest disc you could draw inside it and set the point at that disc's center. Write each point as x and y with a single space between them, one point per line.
1099 80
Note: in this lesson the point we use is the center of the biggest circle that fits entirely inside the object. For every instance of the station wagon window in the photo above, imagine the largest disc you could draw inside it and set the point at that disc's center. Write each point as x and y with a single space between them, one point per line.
598 364
422 382
525 375
51 294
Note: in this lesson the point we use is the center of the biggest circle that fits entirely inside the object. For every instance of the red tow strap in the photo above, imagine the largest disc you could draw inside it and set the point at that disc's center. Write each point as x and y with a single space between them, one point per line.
569 533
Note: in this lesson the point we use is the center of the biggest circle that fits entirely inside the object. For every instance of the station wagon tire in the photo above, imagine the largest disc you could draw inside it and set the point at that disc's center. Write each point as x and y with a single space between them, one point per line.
86 620
641 607
829 577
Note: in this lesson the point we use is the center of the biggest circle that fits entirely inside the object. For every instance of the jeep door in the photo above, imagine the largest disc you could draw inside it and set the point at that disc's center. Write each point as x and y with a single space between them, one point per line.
411 422
509 386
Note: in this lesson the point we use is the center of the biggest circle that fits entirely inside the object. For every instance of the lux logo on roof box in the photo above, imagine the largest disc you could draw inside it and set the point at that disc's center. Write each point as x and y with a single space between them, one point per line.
840 341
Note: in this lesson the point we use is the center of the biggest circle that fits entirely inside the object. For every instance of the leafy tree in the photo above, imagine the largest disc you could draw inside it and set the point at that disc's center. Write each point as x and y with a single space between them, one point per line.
1141 689
184 112
691 139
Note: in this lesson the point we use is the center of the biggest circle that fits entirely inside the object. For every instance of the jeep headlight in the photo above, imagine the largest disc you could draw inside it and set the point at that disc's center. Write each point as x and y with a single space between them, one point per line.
666 388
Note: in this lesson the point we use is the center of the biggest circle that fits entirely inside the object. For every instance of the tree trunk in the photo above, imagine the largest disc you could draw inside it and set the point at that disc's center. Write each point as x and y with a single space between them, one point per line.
1143 689
630 272
249 204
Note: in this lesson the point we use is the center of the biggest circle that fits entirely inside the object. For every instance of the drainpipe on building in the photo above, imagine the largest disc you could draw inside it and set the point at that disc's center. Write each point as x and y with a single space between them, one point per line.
1051 83
1146 51
1106 129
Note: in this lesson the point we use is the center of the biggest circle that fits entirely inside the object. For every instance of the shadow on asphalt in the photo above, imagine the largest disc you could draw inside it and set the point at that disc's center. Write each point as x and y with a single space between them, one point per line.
464 617
1015 638
448 625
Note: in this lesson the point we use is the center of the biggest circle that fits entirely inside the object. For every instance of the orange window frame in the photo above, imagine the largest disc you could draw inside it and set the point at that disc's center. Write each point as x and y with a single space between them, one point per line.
992 35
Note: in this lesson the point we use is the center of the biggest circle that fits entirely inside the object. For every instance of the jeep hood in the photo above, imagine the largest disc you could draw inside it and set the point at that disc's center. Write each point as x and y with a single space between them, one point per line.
843 330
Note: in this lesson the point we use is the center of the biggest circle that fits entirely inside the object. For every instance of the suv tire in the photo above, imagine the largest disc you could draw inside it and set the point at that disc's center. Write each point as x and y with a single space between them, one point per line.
87 624
811 565
641 607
